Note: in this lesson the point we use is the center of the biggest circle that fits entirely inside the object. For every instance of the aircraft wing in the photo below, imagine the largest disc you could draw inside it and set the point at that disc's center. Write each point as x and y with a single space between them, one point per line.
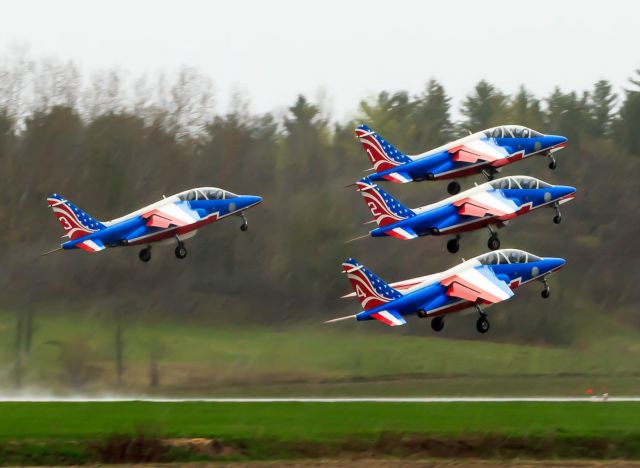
478 151
398 177
170 215
485 204
478 284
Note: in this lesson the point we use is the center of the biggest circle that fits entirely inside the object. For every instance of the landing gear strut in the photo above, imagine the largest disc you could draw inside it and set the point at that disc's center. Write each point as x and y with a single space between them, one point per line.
545 292
145 254
437 323
552 163
453 187
557 219
493 243
245 224
181 250
482 325
489 174
453 245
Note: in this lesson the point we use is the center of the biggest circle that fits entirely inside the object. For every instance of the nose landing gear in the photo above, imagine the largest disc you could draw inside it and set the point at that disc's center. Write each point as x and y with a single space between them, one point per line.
245 224
546 292
552 164
557 219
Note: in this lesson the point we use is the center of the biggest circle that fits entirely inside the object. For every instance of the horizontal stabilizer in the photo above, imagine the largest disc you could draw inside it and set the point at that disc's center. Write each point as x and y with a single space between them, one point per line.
398 177
389 317
91 245
402 233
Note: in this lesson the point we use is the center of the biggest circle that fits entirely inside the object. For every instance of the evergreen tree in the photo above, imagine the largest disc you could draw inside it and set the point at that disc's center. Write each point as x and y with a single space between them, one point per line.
628 127
601 104
484 108
432 117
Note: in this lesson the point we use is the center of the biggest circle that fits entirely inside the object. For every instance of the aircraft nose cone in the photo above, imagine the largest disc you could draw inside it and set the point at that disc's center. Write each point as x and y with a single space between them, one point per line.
554 263
251 200
556 140
565 190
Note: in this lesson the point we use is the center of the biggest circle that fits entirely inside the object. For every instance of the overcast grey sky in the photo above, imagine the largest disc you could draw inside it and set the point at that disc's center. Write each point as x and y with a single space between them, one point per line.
274 50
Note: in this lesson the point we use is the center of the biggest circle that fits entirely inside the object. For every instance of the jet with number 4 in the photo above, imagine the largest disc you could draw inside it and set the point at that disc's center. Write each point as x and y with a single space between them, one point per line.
474 284
490 205
170 220
482 152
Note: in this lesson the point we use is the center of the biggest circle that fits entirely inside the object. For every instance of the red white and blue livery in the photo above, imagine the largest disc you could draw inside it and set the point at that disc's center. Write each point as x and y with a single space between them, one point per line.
482 152
170 220
490 205
474 284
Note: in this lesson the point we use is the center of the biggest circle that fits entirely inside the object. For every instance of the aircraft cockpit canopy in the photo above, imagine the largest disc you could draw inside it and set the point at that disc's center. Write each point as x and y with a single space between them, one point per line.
507 256
512 131
519 182
206 193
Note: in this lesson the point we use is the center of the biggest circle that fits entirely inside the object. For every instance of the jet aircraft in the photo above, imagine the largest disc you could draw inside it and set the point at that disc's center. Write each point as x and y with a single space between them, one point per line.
172 219
489 205
481 281
482 152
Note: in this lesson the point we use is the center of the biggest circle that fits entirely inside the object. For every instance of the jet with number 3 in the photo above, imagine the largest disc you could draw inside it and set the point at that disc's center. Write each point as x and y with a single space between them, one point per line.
170 220
474 284
482 152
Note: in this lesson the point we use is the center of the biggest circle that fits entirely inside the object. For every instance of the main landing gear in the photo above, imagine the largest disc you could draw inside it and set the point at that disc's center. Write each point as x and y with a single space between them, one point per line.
546 292
181 250
453 245
437 323
453 187
482 325
557 219
145 254
489 174
245 224
493 243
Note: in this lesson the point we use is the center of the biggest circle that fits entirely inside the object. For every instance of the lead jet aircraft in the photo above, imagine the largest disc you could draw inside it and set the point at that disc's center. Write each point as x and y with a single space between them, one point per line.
482 152
480 282
489 205
172 219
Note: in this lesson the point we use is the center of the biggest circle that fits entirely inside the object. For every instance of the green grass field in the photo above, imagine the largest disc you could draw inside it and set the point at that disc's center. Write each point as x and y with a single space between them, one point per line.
316 359
315 422
77 433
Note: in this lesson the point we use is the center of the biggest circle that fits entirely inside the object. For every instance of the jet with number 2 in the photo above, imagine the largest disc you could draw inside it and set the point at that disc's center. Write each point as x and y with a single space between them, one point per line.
477 283
491 205
482 152
170 220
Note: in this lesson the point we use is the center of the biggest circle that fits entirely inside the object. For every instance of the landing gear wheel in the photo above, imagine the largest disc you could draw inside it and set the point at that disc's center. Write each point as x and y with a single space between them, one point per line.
493 243
453 187
145 254
437 324
422 313
553 165
453 245
482 325
244 227
181 251
545 293
557 219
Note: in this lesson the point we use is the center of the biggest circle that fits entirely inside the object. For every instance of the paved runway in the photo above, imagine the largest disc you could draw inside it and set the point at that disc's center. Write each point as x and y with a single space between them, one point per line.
106 399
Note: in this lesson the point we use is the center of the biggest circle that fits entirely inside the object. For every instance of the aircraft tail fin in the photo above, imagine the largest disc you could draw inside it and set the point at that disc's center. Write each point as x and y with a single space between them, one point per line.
75 222
370 290
381 153
384 208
